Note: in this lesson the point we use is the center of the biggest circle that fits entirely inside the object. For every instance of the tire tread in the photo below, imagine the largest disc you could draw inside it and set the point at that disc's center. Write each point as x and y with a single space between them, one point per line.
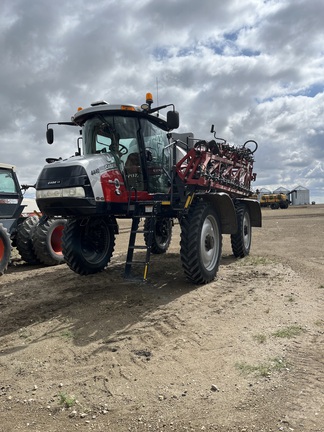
190 228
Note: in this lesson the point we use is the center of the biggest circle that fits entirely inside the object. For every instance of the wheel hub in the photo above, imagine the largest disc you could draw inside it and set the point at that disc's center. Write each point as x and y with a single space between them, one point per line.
209 242
246 231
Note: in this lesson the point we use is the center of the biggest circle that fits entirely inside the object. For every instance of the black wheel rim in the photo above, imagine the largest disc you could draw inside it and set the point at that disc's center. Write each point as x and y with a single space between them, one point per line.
95 240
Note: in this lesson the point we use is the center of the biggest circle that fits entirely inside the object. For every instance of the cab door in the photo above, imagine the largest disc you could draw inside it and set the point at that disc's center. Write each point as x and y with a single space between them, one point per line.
10 197
157 157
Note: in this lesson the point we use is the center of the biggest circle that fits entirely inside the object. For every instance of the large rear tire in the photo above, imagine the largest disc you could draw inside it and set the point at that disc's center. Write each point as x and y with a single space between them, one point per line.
274 206
24 240
5 249
241 241
88 244
201 243
47 241
284 205
161 236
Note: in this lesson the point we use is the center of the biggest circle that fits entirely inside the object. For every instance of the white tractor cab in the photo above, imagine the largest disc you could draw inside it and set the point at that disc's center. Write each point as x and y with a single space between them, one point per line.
122 145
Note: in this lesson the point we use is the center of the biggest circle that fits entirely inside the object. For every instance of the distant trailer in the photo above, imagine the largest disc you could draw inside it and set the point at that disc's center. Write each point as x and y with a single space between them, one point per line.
274 201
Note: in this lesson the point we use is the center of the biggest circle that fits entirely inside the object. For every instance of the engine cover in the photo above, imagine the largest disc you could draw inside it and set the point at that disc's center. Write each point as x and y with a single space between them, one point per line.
79 185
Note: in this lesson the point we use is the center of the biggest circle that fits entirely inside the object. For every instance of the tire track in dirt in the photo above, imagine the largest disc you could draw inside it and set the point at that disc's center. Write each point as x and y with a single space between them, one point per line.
305 404
148 354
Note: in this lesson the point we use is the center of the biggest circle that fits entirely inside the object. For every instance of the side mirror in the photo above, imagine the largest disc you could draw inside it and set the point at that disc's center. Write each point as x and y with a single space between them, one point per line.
173 119
50 136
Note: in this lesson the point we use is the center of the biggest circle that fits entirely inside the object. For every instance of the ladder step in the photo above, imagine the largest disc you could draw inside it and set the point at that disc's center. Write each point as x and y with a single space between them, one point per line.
138 247
148 229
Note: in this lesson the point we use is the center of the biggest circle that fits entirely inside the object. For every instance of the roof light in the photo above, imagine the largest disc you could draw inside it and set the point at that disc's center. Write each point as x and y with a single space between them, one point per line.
127 108
79 109
149 98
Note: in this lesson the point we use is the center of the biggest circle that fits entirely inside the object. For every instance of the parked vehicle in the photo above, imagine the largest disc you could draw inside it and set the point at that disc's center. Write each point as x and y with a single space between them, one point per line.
132 166
274 201
36 237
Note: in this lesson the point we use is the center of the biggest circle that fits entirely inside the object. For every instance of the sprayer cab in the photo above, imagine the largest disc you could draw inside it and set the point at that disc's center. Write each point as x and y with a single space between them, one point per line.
134 140
123 150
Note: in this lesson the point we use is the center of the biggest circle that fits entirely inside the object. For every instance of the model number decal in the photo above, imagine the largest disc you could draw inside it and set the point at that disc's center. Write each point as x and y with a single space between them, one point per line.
103 168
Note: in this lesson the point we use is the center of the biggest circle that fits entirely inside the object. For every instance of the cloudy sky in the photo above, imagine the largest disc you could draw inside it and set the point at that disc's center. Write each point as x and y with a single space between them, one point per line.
253 68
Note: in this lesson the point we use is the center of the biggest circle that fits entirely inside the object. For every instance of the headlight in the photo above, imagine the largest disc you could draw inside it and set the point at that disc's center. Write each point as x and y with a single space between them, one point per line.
73 192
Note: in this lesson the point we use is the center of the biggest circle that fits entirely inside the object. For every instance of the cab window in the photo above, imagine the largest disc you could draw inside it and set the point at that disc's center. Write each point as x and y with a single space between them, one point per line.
7 183
116 135
157 157
105 133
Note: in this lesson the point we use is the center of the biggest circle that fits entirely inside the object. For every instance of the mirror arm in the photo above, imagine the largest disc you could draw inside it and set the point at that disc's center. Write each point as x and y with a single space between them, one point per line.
150 111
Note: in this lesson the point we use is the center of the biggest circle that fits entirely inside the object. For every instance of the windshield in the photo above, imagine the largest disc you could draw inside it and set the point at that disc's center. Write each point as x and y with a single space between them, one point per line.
7 183
135 143
105 133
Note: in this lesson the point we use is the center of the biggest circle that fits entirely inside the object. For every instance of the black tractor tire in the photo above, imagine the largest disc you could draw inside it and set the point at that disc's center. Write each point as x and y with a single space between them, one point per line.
241 241
88 244
24 240
284 205
47 241
274 206
162 234
201 243
5 249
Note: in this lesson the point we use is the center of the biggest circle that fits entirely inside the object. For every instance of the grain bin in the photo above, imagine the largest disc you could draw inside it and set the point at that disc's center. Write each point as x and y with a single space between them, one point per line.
301 196
281 190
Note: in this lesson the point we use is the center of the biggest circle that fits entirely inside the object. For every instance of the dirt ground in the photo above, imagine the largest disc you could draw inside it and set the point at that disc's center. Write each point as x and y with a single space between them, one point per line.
100 353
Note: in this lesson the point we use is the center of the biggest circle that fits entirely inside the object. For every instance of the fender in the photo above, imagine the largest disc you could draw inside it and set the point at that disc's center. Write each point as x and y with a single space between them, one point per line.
254 209
225 208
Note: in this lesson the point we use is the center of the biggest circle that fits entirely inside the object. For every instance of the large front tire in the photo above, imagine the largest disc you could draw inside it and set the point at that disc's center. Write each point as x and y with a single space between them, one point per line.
47 241
162 234
201 243
5 249
241 241
88 244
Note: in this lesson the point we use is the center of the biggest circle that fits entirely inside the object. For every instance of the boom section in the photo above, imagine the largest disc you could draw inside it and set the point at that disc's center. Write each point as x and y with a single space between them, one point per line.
218 167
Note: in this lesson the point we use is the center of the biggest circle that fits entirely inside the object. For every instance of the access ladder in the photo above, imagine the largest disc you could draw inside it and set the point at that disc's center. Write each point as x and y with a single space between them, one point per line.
132 245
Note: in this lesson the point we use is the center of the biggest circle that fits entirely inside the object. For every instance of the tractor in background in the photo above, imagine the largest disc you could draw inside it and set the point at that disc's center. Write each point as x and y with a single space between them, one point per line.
276 200
37 238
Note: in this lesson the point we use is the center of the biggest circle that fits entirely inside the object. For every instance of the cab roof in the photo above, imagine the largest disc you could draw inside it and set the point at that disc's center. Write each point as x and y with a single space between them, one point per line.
7 166
127 110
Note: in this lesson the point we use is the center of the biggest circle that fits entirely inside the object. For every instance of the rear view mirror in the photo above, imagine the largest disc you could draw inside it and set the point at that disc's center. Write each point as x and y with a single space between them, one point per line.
173 119
50 136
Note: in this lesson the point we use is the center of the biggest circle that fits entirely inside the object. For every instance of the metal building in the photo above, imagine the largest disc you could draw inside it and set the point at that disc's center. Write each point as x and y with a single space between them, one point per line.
301 196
